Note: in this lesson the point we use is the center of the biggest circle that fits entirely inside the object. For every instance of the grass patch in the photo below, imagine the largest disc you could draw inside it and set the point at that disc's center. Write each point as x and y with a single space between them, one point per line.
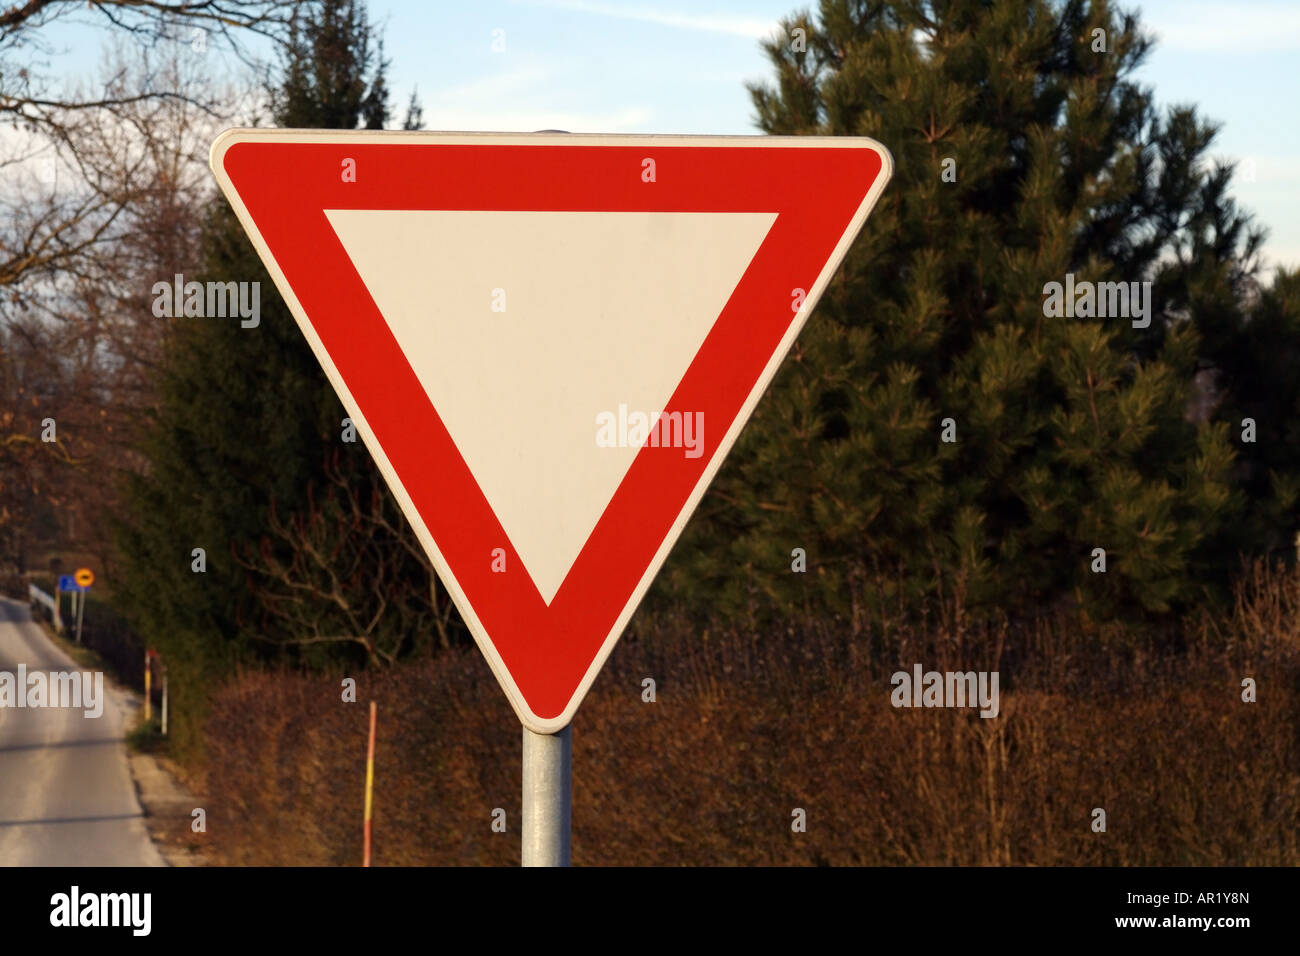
146 738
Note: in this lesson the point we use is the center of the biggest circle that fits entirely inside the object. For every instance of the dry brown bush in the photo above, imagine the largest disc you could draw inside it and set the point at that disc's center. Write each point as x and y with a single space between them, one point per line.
747 728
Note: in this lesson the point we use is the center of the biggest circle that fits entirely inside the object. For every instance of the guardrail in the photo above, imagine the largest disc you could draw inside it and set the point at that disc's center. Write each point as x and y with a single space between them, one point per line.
45 600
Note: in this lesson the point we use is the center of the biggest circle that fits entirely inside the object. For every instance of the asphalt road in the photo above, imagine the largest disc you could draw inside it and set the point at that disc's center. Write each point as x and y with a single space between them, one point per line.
66 796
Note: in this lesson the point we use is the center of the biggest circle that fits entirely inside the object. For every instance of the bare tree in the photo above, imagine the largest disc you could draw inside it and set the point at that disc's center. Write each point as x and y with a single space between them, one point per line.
337 572
54 120
99 192
100 318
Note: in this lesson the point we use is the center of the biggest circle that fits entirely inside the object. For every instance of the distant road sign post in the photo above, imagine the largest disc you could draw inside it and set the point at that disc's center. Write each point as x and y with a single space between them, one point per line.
548 342
83 578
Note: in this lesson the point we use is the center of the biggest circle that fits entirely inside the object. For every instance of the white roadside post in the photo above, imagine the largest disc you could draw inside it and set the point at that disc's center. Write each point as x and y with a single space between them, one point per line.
548 797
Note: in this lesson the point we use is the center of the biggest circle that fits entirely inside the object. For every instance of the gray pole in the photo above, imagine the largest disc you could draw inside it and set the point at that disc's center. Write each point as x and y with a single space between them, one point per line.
81 610
548 797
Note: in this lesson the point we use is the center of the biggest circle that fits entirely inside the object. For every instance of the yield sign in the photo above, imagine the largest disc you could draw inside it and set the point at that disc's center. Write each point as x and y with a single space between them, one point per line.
548 343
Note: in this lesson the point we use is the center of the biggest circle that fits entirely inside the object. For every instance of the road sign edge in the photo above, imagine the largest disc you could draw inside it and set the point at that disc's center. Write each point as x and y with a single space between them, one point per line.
441 566
230 137
733 433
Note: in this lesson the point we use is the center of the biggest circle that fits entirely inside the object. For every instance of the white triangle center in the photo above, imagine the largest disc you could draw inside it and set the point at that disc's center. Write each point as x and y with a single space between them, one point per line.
601 309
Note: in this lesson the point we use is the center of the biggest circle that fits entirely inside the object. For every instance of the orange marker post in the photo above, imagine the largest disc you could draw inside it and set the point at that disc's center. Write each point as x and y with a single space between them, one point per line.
370 782
148 710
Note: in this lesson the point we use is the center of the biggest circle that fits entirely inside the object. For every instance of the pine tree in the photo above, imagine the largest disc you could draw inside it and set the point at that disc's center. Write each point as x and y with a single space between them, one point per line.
247 457
332 77
1024 151
1256 371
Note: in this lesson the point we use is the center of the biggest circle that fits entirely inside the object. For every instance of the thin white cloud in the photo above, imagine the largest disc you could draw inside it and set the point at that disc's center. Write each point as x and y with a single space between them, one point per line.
751 27
1265 168
1240 27
530 120
524 100
495 85
1275 255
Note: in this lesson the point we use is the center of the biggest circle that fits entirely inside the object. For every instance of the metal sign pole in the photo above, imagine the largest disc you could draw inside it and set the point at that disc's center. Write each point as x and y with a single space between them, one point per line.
81 610
548 797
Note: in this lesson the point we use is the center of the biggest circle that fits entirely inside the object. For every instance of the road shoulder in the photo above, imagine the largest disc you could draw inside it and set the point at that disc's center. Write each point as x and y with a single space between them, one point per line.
168 810
166 800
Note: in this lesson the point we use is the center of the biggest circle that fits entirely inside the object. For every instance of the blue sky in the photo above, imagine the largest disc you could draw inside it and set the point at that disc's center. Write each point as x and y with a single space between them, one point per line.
679 66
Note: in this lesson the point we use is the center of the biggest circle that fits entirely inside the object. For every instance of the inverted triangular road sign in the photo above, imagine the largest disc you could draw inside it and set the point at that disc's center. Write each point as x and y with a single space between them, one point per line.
548 343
